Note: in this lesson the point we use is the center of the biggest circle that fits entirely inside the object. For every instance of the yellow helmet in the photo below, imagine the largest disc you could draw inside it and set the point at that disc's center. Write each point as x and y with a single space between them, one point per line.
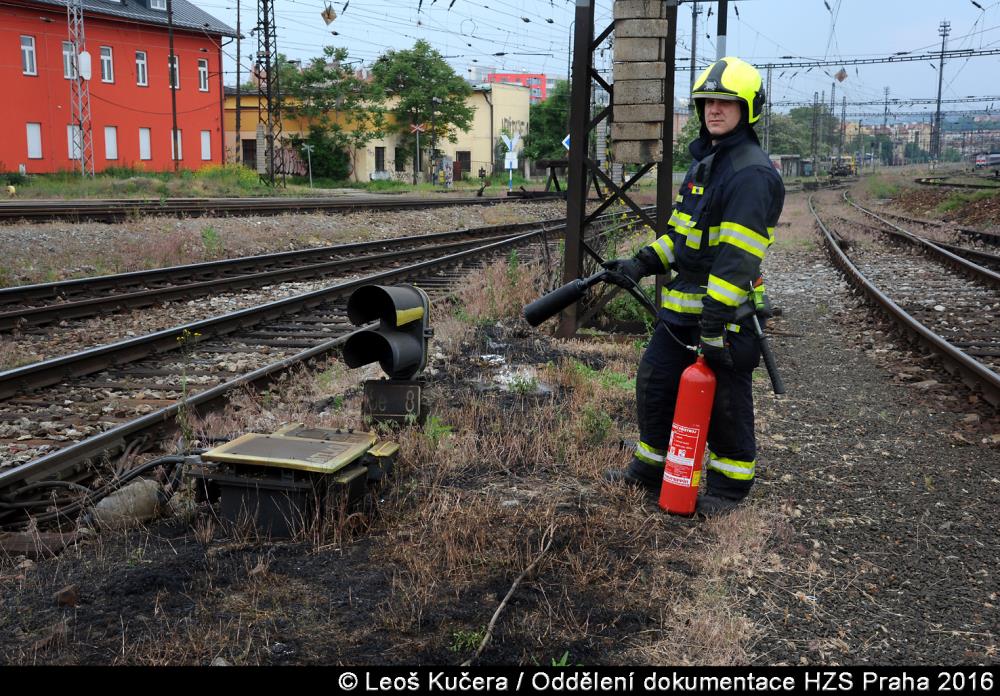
732 79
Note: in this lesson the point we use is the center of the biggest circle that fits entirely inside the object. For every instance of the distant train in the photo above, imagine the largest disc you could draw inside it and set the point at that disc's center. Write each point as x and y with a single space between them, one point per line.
987 160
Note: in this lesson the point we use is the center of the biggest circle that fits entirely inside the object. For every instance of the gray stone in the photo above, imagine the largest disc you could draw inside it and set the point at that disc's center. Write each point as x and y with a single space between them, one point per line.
636 131
639 113
638 151
640 9
641 29
640 50
639 92
640 71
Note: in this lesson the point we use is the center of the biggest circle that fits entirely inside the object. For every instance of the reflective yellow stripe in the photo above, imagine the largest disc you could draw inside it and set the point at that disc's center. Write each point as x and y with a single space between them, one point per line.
680 220
744 238
735 328
405 316
650 455
679 199
715 341
664 248
693 238
698 190
713 236
725 292
732 468
683 302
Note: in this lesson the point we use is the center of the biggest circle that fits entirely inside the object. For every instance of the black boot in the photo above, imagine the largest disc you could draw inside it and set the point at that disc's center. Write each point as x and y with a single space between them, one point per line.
637 474
710 505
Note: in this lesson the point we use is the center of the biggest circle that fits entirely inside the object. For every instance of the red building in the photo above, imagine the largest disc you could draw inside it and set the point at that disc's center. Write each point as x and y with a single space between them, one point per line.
538 84
130 103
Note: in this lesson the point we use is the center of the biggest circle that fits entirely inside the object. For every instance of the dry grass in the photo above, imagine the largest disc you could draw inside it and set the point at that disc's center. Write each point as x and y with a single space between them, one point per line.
475 490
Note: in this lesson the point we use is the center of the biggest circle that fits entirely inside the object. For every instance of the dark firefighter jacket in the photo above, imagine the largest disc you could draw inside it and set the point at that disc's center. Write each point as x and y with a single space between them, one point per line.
721 225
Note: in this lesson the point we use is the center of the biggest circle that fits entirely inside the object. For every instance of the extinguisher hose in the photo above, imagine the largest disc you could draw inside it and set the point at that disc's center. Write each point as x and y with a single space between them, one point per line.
768 355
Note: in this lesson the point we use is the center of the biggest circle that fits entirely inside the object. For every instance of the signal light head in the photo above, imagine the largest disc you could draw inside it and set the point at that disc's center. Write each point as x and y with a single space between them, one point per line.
399 344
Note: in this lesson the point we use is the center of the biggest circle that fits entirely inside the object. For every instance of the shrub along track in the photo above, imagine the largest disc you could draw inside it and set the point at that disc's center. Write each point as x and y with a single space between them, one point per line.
946 302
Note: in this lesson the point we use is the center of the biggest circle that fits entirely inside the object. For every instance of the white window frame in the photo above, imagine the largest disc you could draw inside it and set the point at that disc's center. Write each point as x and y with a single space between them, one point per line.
29 64
206 146
158 5
34 144
74 141
141 69
107 64
69 61
174 72
111 143
202 75
180 146
145 144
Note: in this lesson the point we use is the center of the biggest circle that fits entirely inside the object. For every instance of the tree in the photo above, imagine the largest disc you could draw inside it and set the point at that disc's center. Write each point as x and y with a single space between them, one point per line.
549 121
428 92
344 110
689 133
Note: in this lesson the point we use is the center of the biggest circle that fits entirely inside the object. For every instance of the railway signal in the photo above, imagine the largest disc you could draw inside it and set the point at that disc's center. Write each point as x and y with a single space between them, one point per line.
398 344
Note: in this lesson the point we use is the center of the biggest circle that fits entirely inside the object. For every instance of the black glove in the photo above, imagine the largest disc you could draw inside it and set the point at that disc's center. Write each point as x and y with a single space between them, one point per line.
716 352
625 273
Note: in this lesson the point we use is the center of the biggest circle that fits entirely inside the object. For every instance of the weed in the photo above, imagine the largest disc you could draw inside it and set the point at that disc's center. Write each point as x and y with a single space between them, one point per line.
878 187
606 378
596 425
212 242
464 641
522 384
436 430
564 661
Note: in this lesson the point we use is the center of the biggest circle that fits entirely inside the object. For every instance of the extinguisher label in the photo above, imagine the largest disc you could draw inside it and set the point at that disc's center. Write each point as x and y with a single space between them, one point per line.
679 467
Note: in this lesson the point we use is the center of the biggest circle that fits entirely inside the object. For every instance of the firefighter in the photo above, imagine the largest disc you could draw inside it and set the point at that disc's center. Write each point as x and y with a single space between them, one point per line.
721 225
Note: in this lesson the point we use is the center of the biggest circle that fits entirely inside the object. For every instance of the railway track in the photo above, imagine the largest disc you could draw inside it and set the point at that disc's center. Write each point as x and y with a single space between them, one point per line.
65 419
36 305
945 302
957 232
61 416
944 181
128 209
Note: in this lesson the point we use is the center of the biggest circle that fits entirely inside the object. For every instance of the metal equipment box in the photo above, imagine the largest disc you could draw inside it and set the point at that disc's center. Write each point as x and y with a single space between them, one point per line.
286 481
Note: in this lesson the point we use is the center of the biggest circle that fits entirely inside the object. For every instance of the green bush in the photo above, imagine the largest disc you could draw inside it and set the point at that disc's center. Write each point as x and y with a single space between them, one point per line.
328 158
14 178
878 187
232 174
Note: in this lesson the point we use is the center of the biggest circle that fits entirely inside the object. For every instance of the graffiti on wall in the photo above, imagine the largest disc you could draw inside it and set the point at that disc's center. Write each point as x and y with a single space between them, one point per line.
511 126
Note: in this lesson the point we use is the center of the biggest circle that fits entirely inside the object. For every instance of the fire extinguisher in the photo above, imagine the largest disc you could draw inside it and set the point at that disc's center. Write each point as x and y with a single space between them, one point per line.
688 436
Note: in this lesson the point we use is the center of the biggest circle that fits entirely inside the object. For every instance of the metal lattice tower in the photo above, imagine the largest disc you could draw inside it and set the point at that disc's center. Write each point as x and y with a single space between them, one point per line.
268 89
79 89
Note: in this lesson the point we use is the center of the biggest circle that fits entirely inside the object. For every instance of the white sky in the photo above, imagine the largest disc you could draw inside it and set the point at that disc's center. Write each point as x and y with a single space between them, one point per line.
472 31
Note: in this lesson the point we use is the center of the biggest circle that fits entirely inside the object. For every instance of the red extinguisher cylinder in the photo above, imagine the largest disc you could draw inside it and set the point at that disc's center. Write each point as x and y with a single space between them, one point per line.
688 437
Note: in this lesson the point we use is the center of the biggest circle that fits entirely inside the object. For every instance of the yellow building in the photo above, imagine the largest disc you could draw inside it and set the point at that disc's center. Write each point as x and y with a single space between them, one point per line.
498 109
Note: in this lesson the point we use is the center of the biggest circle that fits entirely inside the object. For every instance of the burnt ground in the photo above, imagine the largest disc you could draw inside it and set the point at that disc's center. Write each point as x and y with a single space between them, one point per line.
869 539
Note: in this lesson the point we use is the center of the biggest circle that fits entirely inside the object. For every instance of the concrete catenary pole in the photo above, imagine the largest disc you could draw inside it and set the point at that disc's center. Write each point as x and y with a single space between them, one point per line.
720 43
944 29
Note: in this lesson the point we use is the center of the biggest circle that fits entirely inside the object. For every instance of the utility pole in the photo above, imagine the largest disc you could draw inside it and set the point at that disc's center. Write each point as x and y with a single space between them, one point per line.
239 41
767 113
944 29
828 134
885 125
79 88
694 50
269 88
843 125
174 76
720 42
814 145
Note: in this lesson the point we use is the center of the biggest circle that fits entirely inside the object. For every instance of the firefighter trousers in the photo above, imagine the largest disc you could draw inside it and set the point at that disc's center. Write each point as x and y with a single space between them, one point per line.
732 447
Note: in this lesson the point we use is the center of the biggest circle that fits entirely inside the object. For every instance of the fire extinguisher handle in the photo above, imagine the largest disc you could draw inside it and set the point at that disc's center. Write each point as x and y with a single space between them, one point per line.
769 363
